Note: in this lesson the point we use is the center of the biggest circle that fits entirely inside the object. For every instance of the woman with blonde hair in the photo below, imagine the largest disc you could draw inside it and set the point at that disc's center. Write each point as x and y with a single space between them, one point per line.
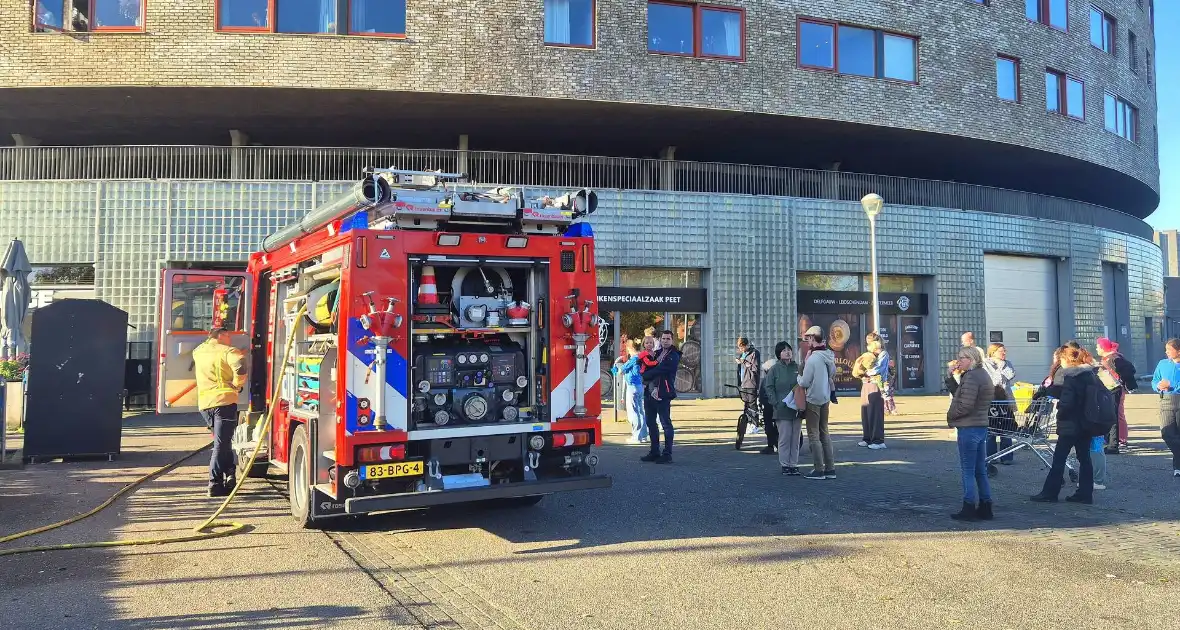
872 368
630 368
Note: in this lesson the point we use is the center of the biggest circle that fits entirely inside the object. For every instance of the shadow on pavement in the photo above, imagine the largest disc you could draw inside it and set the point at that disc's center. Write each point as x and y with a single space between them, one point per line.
262 619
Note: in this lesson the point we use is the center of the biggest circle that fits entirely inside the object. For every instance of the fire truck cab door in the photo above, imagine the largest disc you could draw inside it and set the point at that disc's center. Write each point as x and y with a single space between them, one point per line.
192 302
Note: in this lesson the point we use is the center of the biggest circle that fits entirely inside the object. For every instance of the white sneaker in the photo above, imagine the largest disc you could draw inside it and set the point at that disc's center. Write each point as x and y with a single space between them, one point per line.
1176 473
877 447
862 443
1099 486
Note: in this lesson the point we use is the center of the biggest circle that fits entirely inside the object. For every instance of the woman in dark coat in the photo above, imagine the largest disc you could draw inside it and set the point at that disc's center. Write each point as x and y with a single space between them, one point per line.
1069 387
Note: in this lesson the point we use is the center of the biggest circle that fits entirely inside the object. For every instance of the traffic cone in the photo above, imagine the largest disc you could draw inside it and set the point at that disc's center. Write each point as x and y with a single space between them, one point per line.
427 291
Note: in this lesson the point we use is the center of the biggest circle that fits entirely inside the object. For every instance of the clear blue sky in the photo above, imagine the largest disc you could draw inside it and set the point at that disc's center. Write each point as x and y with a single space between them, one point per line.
1167 64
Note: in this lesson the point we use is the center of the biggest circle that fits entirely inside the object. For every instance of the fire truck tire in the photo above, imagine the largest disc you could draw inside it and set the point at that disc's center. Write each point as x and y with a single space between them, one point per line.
298 478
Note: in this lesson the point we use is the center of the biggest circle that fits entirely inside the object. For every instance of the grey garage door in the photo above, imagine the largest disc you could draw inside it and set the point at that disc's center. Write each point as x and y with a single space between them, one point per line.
1021 297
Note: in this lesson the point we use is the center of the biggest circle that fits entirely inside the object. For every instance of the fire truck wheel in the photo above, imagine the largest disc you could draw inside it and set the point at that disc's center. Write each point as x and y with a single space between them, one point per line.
298 478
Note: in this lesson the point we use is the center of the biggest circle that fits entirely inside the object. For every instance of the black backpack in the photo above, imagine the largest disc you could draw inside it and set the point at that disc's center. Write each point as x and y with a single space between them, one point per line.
1101 413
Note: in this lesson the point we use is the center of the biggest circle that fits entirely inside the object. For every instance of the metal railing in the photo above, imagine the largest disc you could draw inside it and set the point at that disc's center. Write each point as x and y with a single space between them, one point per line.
542 170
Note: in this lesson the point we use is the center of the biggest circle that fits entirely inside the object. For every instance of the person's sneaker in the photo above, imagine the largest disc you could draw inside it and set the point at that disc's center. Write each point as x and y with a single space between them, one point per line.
992 471
829 474
1074 498
878 447
815 474
1043 498
1099 486
217 491
767 450
650 457
862 443
793 472
1176 473
786 470
666 458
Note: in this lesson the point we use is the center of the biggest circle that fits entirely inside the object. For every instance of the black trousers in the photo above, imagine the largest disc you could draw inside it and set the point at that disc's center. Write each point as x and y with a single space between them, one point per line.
1081 445
1171 435
768 425
872 415
222 421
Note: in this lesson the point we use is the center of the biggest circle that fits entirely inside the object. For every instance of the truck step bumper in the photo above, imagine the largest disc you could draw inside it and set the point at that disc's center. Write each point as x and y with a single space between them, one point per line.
408 500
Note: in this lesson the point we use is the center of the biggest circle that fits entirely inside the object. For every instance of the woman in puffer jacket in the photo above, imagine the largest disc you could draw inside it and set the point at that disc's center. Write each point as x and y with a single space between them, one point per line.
1069 387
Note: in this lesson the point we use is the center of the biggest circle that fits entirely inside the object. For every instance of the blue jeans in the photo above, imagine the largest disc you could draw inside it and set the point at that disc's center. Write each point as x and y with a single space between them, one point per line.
658 413
635 412
972 461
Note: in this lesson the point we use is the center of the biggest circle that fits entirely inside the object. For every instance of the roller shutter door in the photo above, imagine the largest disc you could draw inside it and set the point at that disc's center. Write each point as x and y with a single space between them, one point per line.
1021 305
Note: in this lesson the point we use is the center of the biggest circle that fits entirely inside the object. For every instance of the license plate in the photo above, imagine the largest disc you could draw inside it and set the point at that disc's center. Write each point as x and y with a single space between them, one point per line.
392 469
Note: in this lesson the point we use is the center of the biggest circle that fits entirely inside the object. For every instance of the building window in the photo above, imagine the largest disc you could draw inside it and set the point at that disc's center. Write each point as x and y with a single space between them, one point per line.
1122 118
1133 52
1065 95
1147 63
377 17
857 51
88 15
1053 13
381 18
62 274
695 30
569 23
1102 30
1008 78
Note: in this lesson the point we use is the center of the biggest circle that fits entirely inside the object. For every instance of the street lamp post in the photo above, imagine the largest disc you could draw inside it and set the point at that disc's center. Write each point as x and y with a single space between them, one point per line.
872 203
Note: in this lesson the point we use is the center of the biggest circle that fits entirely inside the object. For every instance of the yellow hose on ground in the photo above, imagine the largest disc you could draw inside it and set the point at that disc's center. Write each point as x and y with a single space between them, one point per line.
210 528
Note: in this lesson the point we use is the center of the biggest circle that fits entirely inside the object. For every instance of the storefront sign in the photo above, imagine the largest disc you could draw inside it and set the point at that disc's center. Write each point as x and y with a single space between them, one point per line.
676 300
913 373
862 302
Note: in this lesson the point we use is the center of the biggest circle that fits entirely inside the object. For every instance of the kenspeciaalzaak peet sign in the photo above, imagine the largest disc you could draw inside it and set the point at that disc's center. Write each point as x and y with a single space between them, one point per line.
862 302
681 300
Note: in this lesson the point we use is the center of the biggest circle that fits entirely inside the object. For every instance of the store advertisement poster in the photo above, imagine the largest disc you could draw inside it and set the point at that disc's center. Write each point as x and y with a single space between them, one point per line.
845 339
913 373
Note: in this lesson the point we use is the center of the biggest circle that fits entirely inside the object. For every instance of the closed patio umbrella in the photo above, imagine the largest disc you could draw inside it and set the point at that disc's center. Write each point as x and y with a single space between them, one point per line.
14 298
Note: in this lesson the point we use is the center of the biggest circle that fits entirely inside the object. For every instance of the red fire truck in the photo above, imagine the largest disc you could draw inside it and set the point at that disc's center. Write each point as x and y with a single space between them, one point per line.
446 346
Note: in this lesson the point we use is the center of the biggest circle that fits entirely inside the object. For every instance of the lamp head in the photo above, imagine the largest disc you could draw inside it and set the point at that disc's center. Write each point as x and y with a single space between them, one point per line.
872 203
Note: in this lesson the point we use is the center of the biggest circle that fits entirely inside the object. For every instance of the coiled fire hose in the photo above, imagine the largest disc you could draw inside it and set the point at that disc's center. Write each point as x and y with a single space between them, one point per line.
210 528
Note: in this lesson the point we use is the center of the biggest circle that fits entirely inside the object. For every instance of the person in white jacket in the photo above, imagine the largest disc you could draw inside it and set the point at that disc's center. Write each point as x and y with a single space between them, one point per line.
818 379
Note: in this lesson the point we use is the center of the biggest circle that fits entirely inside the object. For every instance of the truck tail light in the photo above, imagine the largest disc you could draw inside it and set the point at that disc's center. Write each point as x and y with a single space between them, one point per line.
387 453
577 438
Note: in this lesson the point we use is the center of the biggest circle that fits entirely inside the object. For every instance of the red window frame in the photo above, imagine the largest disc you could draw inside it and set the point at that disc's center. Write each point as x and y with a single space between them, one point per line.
878 49
272 19
66 19
593 28
1016 64
1114 30
1044 19
697 10
1063 80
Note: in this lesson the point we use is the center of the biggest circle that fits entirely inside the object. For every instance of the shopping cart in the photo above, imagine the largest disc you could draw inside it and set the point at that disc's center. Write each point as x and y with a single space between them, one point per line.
1029 424
751 412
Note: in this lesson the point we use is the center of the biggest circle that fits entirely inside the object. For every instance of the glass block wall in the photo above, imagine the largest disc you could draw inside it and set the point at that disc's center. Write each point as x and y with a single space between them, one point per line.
749 246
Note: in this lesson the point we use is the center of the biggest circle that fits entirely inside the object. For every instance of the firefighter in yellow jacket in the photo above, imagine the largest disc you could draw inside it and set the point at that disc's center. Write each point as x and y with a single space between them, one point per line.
221 373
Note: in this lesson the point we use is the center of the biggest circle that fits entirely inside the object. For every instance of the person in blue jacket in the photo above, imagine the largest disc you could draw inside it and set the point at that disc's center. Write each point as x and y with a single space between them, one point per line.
629 368
1166 381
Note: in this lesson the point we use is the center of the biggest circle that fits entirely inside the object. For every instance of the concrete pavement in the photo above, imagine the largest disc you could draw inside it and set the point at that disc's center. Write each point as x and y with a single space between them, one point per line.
717 540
